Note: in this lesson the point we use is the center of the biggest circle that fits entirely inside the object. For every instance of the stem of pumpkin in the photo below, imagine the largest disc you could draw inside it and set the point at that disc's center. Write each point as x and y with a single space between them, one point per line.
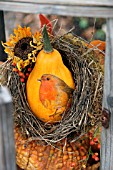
47 45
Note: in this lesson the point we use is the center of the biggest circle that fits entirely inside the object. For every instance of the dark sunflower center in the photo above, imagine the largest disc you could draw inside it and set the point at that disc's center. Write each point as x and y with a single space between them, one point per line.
23 48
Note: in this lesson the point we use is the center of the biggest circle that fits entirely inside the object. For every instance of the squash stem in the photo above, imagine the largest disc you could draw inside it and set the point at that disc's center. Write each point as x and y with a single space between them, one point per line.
47 45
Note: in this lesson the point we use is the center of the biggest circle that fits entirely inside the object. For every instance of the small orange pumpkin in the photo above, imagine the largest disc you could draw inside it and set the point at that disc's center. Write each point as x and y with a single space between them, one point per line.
99 50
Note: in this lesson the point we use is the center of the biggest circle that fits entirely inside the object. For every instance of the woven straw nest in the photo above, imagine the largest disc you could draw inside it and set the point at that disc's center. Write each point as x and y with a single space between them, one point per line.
85 110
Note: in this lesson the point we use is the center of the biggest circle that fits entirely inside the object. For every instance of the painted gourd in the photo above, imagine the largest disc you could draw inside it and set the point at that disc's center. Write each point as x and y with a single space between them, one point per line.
49 61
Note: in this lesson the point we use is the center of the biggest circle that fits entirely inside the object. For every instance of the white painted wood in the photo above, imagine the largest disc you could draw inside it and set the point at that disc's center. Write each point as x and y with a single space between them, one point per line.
71 2
79 11
7 145
107 134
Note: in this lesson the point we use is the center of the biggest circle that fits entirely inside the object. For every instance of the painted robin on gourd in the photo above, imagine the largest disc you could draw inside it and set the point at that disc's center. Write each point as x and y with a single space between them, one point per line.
54 93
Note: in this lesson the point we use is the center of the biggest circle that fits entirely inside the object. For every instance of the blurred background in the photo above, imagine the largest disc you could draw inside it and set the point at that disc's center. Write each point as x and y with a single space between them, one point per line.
87 28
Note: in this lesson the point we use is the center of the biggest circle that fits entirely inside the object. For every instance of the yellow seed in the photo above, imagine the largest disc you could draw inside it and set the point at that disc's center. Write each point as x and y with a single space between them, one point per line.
69 149
51 152
65 157
34 152
40 159
78 158
59 165
70 156
59 153
64 162
25 153
53 157
32 161
40 154
34 157
84 166
21 156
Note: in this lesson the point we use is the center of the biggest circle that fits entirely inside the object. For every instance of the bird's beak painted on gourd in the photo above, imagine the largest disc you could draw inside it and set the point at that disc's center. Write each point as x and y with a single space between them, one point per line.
39 80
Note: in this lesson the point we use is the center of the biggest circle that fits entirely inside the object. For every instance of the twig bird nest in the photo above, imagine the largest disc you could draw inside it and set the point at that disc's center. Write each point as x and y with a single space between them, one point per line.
86 106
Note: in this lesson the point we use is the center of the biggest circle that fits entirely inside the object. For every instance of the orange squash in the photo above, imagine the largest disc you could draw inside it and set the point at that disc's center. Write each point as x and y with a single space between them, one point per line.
66 155
49 61
101 45
99 50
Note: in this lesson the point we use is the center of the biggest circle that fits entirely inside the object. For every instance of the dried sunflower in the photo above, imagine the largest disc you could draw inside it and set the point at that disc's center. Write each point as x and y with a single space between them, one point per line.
22 47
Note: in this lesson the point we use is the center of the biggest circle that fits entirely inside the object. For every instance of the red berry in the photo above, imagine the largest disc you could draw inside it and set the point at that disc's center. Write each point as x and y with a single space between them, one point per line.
95 139
22 80
21 74
73 164
92 142
96 158
98 146
84 157
15 70
81 147
93 156
27 74
90 134
14 64
29 69
96 153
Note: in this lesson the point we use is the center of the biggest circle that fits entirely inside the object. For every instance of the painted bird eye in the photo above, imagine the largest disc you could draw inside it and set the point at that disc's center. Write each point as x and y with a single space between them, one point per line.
48 78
